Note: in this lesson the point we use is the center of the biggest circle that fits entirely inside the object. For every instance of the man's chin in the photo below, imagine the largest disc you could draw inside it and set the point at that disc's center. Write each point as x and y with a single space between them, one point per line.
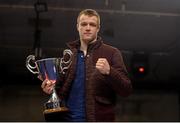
88 40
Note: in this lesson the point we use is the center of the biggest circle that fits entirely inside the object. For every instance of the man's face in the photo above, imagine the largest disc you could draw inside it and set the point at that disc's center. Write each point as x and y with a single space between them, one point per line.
88 28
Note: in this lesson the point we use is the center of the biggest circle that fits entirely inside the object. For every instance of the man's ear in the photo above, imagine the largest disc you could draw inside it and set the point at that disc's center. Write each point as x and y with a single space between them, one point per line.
98 28
77 27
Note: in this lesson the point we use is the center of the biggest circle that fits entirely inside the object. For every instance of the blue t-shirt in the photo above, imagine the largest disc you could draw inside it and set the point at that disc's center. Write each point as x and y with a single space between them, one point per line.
76 99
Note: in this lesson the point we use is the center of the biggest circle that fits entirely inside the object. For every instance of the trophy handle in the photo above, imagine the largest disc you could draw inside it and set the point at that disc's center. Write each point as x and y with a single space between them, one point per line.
68 52
68 62
30 67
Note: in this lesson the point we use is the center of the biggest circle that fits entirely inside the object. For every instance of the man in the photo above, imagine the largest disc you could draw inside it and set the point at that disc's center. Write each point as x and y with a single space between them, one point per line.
97 73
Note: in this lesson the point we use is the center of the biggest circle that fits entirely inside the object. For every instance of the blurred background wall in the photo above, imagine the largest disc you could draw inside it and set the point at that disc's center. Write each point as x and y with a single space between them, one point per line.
146 31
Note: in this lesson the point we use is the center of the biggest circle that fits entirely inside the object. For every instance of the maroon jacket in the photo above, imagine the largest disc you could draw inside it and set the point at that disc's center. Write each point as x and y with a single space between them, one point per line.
101 89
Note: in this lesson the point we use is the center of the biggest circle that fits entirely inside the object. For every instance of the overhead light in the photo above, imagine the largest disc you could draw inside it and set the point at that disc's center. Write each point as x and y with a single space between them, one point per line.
40 7
106 2
123 6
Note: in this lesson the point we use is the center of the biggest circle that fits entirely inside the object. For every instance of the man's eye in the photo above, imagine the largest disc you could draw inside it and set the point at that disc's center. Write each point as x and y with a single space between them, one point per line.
83 24
93 24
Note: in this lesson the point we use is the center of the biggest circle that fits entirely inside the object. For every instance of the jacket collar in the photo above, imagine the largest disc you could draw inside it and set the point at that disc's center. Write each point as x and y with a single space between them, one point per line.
76 44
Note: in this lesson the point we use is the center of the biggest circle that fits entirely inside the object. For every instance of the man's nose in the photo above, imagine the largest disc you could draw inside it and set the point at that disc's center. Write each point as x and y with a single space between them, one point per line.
88 27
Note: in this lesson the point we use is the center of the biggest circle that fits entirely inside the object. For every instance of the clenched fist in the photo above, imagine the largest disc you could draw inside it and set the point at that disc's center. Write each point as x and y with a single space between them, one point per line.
103 66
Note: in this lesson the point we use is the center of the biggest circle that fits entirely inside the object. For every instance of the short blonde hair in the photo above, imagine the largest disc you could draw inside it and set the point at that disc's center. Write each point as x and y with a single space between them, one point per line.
89 12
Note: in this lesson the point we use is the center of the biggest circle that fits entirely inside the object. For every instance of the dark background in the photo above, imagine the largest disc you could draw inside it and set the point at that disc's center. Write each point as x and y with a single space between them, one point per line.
146 31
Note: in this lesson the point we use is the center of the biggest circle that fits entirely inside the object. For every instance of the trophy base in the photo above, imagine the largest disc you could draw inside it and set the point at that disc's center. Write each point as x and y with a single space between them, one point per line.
60 109
55 115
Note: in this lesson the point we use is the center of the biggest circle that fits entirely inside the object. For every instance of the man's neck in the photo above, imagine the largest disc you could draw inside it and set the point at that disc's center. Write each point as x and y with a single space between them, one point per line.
84 46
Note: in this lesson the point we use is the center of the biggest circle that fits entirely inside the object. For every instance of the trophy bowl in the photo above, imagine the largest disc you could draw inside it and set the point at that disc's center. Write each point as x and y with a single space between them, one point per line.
50 68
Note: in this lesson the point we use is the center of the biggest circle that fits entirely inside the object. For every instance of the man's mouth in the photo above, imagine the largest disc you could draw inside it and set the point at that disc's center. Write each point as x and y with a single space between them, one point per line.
87 33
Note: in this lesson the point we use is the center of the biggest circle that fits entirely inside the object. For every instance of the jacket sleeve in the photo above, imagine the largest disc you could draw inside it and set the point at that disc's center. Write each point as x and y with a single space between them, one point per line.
118 76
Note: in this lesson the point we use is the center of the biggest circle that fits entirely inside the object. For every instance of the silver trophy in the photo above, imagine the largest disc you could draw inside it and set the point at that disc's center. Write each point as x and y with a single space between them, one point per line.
49 68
